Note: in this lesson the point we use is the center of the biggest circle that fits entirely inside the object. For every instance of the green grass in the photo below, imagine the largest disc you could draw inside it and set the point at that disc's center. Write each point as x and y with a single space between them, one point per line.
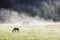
30 32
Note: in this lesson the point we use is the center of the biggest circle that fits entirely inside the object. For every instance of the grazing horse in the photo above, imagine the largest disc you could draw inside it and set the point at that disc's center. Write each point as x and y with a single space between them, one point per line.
15 30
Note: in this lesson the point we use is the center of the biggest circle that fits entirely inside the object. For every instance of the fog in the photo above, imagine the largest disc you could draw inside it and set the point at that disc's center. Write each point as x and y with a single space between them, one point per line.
29 11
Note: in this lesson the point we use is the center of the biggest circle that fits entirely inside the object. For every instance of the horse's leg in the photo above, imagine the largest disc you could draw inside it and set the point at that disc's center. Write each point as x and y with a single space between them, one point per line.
17 30
12 30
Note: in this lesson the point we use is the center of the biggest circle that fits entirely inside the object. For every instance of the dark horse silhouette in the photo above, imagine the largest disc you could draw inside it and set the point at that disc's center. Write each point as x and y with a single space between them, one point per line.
15 30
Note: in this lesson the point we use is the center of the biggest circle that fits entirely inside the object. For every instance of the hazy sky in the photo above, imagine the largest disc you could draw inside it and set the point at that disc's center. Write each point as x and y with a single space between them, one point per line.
47 9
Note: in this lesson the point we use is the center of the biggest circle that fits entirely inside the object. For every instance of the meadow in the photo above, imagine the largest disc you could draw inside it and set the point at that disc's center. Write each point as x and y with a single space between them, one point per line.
30 32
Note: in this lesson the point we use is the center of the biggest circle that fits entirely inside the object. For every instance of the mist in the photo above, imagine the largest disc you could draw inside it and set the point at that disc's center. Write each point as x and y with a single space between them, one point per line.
29 11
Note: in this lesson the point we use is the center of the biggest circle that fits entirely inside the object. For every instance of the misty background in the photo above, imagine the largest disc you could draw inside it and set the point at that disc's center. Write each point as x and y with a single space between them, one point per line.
29 11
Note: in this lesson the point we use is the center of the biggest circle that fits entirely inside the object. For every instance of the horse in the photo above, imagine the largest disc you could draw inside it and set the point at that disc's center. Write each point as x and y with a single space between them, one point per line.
15 29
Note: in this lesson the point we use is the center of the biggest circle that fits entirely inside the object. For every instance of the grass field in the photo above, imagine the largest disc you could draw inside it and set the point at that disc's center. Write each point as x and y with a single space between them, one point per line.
30 32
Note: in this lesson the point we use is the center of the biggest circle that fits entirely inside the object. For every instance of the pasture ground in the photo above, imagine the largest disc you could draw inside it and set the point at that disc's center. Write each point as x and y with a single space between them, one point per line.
30 32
